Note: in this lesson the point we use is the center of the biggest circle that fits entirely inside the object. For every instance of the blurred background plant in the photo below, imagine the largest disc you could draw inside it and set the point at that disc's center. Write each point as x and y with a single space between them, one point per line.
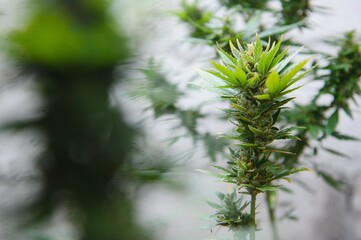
87 165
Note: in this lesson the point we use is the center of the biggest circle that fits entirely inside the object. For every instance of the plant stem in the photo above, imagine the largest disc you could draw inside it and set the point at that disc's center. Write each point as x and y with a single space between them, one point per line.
253 217
271 214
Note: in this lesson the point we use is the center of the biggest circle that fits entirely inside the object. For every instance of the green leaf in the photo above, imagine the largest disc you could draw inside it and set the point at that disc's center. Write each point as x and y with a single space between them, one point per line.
272 52
245 119
240 76
286 78
257 49
272 83
214 205
332 123
226 58
290 90
281 65
223 69
235 52
279 57
262 64
213 83
265 96
300 76
268 188
248 59
266 60
220 195
275 116
255 130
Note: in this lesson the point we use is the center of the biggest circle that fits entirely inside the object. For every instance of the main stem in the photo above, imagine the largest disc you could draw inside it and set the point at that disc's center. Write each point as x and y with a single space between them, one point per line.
253 217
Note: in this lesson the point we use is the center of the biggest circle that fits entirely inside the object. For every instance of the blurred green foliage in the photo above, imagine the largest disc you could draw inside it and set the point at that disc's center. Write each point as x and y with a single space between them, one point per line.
72 49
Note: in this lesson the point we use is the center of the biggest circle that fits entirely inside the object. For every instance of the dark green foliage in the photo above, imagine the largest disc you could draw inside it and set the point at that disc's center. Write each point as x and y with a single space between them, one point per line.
342 82
211 29
294 11
191 13
162 95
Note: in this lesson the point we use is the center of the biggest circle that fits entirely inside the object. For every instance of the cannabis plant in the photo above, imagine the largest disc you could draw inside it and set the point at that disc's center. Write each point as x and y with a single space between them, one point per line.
255 80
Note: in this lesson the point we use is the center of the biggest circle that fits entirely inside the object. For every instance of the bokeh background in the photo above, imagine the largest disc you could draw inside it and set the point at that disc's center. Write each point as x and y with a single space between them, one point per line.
174 207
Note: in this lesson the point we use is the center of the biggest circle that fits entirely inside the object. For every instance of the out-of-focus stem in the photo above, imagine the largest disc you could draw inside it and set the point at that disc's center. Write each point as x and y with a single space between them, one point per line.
253 217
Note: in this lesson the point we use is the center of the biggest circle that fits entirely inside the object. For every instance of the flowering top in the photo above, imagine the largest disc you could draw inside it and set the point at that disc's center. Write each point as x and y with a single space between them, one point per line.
263 70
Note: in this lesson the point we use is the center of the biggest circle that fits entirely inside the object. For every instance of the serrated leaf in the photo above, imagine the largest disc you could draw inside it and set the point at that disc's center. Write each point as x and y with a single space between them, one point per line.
281 65
257 49
235 52
300 76
224 70
272 53
262 63
289 91
227 58
265 96
248 59
272 83
287 77
240 76
279 57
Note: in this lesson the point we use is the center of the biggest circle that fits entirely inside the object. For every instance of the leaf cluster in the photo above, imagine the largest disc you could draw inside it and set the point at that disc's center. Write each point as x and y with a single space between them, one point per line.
294 11
341 82
231 211
211 28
